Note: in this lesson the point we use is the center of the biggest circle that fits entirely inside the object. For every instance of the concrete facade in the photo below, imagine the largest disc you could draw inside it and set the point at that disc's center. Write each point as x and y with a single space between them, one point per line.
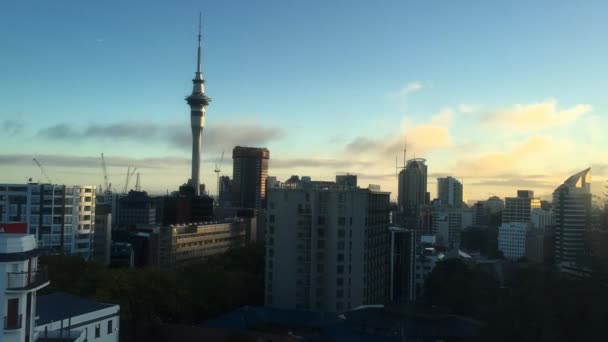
61 217
327 246
512 239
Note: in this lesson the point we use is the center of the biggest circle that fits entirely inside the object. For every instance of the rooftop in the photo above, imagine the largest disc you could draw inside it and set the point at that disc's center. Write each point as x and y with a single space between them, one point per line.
60 305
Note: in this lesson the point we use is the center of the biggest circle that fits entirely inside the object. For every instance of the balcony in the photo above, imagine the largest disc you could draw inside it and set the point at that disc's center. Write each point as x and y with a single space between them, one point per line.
24 281
13 323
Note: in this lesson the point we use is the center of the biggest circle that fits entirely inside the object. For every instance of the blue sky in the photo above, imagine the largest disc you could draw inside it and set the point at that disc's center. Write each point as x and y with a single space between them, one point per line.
327 86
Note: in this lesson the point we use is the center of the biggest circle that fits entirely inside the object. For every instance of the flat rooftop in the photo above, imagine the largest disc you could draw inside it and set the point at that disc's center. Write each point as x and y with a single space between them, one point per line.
60 305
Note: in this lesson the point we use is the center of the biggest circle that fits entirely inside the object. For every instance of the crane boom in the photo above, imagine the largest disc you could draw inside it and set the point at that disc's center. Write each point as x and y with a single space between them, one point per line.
48 179
105 173
130 174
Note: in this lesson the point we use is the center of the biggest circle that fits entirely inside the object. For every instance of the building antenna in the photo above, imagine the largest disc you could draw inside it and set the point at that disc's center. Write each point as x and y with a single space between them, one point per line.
404 151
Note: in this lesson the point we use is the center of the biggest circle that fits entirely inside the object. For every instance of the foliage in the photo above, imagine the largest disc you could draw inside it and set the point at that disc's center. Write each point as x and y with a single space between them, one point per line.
187 295
537 304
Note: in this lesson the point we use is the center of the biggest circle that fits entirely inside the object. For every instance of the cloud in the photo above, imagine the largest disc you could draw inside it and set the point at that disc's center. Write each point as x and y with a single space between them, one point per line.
407 89
534 116
216 137
72 161
298 163
465 108
12 127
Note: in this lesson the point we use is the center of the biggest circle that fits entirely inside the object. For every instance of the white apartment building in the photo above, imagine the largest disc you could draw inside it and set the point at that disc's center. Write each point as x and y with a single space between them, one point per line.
20 278
80 319
327 246
512 239
61 217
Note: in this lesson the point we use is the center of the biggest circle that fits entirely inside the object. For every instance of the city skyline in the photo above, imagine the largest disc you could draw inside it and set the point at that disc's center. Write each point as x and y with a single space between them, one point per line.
483 118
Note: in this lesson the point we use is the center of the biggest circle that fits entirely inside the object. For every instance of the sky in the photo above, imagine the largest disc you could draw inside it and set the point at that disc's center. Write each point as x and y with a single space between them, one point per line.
501 95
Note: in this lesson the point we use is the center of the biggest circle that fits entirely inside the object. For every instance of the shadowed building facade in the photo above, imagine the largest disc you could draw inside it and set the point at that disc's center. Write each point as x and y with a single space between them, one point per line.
412 187
249 173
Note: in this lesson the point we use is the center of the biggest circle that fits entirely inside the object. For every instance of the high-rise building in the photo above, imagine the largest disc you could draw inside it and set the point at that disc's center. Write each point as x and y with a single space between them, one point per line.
402 265
519 209
225 192
449 191
447 225
412 187
197 101
61 217
572 216
249 173
102 237
135 209
327 246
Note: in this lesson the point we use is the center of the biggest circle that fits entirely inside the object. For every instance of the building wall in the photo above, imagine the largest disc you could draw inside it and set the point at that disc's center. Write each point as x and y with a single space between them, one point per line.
62 217
181 244
249 173
89 322
326 248
572 217
412 187
519 209
449 191
19 279
402 265
512 240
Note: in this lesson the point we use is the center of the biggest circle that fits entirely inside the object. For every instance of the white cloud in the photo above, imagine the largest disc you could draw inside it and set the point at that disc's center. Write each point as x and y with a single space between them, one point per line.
534 116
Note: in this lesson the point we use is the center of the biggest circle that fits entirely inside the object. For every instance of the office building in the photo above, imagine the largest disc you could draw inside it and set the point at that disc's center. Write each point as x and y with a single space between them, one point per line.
449 191
540 245
541 218
102 237
346 180
327 246
447 225
198 102
134 210
402 265
512 239
61 217
572 217
480 214
249 173
224 199
519 209
21 279
413 187
494 205
182 244
184 207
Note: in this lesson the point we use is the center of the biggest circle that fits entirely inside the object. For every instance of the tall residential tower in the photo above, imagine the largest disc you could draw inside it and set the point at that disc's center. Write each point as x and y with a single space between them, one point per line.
197 102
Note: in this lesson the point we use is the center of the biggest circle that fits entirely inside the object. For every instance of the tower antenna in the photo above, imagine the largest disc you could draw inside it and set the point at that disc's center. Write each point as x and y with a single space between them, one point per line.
404 151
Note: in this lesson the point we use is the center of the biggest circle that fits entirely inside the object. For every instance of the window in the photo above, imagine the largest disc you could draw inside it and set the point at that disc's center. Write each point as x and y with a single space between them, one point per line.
340 269
97 330
341 221
340 257
110 327
321 220
271 218
341 233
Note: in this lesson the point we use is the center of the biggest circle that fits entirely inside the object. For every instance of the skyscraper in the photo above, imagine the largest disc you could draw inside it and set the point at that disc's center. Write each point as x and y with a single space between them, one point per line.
572 216
519 209
197 102
412 186
249 173
449 191
327 246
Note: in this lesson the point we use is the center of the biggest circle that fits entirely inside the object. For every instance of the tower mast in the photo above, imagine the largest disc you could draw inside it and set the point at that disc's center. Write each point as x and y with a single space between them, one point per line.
197 102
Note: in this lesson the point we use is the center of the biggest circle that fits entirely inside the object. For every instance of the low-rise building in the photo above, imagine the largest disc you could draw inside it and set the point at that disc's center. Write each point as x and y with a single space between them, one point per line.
65 317
180 244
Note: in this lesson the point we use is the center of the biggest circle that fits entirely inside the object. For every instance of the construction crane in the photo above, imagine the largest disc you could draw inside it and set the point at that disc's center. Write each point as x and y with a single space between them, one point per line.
107 185
48 179
137 183
129 175
217 173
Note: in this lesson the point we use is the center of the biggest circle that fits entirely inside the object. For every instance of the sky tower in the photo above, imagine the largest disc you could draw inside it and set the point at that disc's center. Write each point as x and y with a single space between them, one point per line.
197 102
